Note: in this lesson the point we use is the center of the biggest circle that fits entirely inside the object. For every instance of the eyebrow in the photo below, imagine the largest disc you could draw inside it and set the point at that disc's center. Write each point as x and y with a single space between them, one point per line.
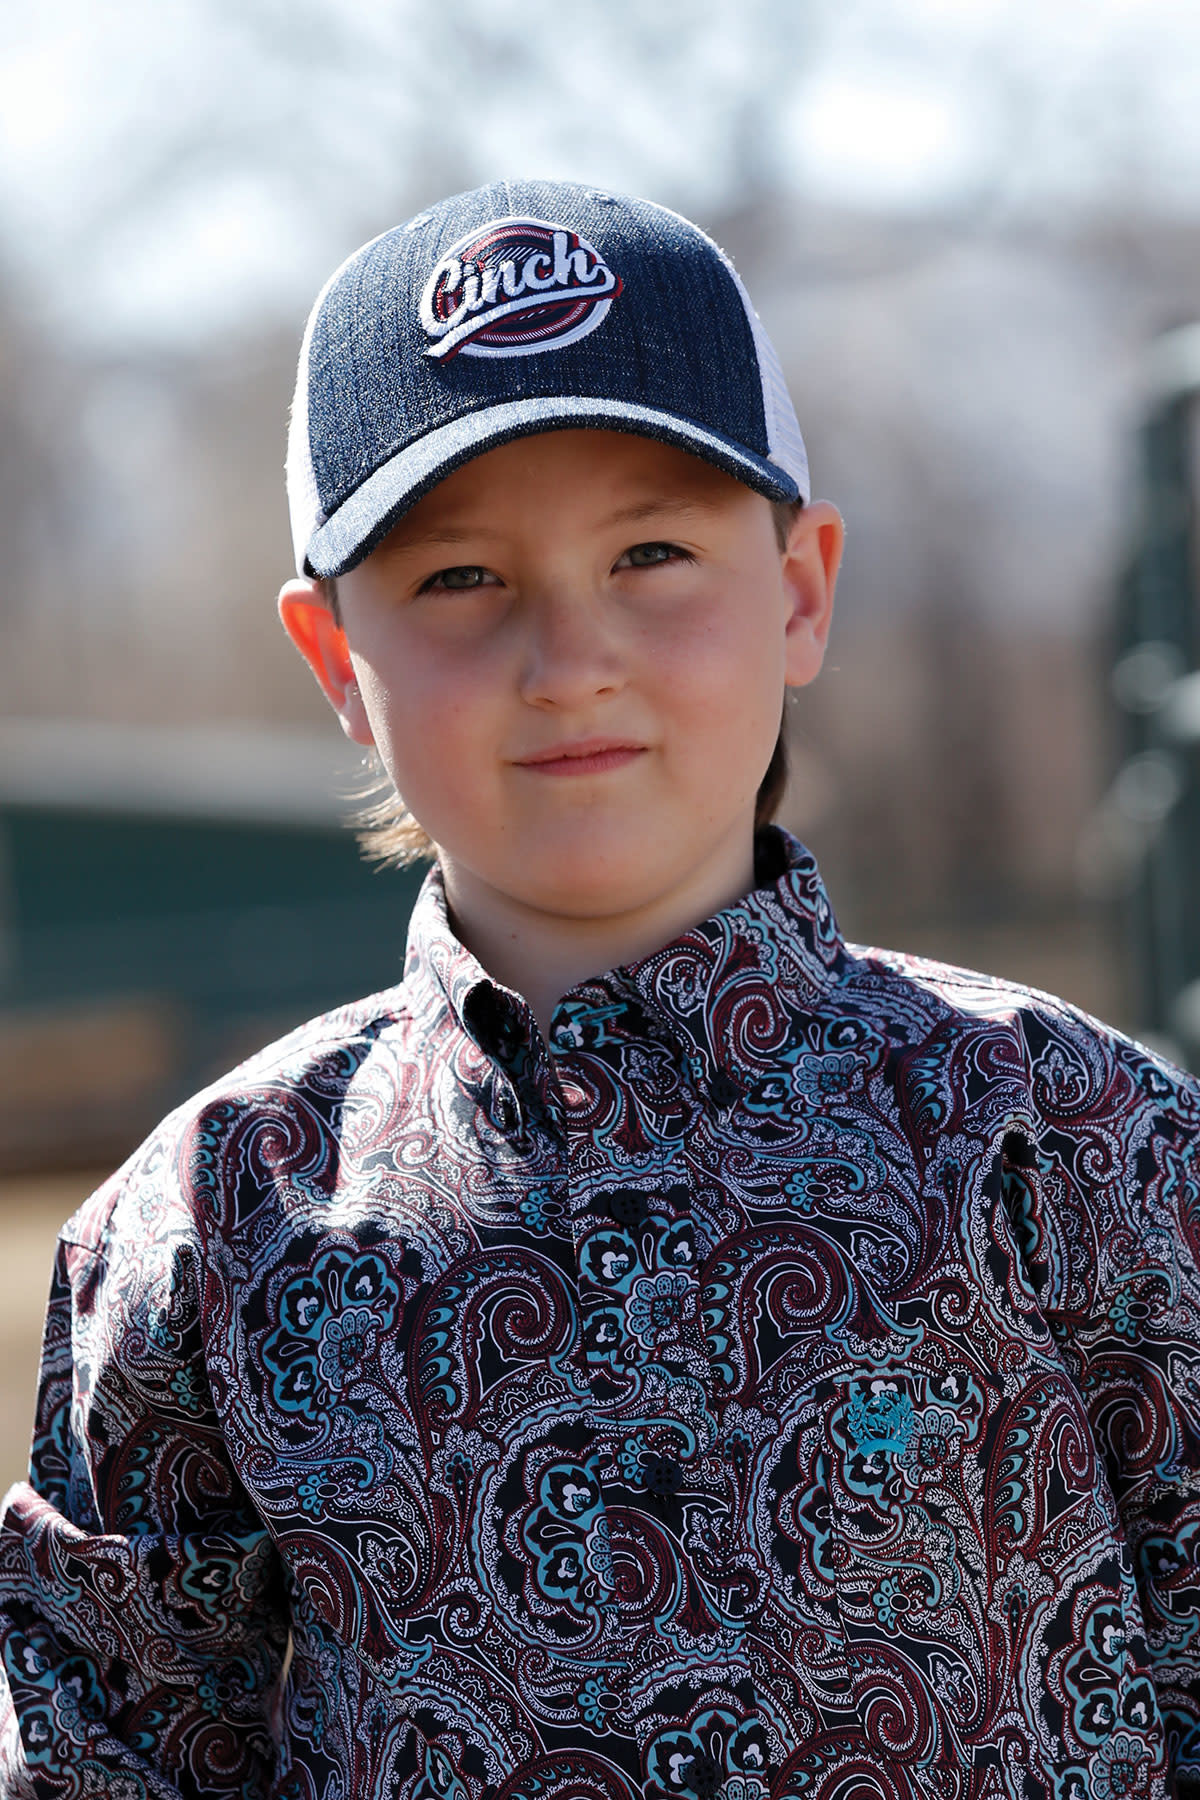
624 515
445 534
663 503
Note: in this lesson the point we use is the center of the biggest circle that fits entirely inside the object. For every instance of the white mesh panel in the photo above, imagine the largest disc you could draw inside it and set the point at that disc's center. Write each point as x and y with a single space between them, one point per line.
785 446
304 503
304 507
783 427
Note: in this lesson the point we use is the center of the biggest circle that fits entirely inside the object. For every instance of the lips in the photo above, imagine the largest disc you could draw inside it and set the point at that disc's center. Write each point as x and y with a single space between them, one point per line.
586 756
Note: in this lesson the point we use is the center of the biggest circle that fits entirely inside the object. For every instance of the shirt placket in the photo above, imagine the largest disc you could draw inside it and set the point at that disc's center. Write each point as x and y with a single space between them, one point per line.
656 1446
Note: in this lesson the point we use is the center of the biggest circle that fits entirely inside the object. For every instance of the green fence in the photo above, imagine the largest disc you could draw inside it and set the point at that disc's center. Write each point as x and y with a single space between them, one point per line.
139 955
1156 683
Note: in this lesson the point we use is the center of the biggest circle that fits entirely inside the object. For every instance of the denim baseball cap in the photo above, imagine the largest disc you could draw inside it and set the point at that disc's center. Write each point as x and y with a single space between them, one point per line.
522 307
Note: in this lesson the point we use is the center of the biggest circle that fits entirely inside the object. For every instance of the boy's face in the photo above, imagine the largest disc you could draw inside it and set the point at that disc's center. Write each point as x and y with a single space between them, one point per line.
572 656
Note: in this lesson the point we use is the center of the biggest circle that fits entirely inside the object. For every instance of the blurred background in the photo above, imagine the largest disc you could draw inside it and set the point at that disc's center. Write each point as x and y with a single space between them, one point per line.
972 228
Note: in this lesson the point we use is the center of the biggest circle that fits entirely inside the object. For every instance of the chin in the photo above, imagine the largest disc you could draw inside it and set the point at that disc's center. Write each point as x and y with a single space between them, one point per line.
590 885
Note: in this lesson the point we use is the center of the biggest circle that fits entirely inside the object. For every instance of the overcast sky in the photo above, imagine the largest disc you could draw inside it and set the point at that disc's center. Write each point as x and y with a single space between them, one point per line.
169 168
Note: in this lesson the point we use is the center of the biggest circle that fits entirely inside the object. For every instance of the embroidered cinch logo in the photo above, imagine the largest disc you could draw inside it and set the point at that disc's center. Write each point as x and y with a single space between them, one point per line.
515 287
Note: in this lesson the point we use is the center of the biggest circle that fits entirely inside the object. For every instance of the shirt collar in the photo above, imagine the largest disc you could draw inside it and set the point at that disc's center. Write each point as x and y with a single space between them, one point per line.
720 991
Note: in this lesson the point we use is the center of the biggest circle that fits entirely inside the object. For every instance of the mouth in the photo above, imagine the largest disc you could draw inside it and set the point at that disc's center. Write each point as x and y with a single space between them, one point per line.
588 756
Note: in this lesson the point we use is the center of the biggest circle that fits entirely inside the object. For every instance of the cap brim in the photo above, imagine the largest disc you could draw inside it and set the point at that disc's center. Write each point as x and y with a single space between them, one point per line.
362 520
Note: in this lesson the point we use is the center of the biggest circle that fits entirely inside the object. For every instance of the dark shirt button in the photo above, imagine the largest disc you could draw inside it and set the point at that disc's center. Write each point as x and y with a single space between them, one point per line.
661 1476
702 1775
504 1112
627 1206
489 1017
723 1091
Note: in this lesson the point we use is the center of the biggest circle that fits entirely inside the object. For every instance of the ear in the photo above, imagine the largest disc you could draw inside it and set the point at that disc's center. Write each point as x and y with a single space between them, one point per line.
810 565
309 622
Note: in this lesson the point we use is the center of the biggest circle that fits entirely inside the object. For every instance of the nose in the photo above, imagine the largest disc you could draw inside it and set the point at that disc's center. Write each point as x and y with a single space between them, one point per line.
572 651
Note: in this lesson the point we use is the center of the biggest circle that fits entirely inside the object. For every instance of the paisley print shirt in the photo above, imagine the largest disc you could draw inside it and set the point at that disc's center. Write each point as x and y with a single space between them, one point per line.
783 1379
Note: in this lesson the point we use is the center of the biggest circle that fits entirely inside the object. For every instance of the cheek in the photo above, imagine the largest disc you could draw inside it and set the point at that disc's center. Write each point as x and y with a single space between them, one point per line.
426 729
729 669
726 699
377 698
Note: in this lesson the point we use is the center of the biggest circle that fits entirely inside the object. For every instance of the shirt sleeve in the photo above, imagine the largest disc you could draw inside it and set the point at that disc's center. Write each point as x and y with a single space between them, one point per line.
1106 1202
142 1618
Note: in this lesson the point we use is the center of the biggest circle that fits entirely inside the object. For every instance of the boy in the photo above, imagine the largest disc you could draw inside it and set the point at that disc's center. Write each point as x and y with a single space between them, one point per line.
656 1349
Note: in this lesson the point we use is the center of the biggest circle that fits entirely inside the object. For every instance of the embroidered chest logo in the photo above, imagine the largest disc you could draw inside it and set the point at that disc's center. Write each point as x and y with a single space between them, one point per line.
515 287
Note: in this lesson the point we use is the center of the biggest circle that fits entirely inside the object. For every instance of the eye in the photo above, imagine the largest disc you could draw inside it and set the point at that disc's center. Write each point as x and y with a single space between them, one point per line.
457 580
649 556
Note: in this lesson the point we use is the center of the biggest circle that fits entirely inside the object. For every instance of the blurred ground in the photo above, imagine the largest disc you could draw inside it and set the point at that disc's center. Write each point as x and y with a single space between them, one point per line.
31 1212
